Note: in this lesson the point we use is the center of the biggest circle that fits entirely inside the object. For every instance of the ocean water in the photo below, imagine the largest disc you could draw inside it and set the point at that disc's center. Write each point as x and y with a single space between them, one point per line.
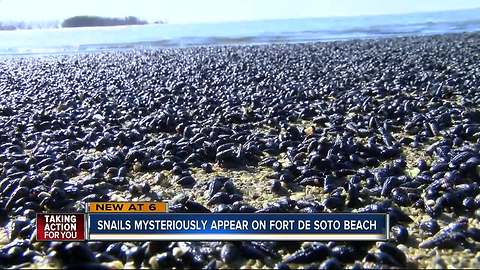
72 40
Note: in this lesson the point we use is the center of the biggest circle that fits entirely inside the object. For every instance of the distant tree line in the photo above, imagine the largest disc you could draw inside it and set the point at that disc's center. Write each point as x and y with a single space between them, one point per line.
28 25
77 21
88 21
8 27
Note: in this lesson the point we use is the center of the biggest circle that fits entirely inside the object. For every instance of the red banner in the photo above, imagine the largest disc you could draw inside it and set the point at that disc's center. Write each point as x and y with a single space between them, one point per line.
60 227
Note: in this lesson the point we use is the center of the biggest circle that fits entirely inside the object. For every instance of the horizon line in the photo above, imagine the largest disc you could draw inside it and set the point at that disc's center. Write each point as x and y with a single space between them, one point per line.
165 21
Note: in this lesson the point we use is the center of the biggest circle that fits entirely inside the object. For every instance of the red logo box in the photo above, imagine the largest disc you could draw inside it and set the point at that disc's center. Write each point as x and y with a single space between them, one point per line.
60 227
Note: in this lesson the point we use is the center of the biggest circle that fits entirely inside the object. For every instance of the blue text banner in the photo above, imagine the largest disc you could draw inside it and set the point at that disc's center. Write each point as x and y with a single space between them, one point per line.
233 226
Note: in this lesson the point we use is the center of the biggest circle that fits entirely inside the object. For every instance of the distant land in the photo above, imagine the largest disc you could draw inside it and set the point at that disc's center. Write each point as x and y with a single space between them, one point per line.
29 25
91 21
77 21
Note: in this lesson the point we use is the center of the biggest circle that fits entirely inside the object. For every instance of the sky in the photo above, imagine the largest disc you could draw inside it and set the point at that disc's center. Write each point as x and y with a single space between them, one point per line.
198 11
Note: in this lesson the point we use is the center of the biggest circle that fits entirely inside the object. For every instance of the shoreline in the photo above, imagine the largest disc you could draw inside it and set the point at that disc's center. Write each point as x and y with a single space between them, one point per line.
192 42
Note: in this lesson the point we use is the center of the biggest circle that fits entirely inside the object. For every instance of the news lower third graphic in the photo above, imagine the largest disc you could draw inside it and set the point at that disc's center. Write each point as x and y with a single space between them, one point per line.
112 221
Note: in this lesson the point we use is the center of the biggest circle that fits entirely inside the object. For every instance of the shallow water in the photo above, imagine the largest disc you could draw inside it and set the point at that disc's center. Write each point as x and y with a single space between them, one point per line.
252 32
